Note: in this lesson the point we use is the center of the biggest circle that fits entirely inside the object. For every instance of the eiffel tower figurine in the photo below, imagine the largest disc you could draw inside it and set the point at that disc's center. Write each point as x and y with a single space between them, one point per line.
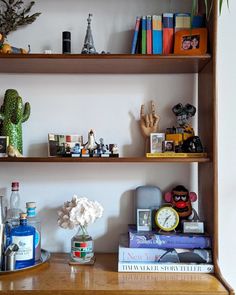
88 47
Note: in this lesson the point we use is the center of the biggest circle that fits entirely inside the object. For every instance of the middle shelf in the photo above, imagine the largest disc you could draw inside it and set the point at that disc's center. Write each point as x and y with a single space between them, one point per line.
104 160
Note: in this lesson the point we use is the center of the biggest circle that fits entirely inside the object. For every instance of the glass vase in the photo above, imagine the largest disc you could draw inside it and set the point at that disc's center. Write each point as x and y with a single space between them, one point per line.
82 249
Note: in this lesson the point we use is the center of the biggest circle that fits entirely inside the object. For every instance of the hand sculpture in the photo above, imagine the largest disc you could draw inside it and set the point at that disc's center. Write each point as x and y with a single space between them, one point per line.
149 123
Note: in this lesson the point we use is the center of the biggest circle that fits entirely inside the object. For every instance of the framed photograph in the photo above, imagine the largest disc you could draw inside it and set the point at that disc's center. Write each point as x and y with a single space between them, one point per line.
4 142
156 142
144 219
168 146
191 42
62 145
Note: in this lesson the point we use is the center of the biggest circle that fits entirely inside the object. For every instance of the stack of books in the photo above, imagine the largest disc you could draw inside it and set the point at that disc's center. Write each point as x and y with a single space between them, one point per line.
164 252
155 34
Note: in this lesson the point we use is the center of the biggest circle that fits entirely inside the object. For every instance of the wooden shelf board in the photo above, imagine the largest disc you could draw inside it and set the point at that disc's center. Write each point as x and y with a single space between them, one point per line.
103 160
102 63
58 277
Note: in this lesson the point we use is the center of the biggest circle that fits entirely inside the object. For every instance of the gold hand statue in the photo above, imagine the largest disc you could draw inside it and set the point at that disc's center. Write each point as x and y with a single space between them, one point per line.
148 124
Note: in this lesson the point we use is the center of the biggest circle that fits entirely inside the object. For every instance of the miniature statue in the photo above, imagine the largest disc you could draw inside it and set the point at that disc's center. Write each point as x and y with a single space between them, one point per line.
12 16
13 152
91 144
183 134
12 114
88 47
181 199
148 124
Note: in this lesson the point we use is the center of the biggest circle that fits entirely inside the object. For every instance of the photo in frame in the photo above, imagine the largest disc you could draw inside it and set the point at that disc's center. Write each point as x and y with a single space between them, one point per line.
156 142
4 142
191 42
144 219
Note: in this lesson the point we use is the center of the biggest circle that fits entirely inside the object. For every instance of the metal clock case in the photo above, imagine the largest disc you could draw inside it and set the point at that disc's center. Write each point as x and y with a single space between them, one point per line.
167 218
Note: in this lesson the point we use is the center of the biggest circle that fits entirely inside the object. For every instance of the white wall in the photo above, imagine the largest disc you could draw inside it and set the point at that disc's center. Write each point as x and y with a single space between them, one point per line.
227 161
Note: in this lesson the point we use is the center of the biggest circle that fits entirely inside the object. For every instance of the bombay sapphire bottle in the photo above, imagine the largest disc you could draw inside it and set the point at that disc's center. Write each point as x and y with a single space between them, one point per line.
24 236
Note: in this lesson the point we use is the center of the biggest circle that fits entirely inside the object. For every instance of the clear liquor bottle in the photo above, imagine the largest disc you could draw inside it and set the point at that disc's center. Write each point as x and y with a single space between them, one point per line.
34 221
14 210
24 236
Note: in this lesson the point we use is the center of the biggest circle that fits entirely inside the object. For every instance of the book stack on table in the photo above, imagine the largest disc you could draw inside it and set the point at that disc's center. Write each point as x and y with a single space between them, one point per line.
142 251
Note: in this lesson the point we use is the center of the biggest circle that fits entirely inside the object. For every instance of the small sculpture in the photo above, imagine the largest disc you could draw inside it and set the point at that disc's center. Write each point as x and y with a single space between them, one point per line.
88 47
149 123
5 48
12 114
13 152
183 115
91 144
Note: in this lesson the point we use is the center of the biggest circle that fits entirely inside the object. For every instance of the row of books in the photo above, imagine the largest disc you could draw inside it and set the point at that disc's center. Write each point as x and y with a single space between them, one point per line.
155 34
164 252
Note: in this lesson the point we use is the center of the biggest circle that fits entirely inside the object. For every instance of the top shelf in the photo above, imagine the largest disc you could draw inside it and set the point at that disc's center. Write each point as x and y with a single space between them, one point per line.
102 63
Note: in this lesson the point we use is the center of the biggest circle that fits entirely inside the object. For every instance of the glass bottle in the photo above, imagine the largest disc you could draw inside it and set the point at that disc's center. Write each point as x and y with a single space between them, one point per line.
34 221
14 210
82 246
24 236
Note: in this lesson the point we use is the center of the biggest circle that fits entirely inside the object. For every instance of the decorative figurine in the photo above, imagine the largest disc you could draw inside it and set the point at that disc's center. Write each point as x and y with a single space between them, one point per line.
148 124
183 135
12 16
88 47
91 144
12 114
181 199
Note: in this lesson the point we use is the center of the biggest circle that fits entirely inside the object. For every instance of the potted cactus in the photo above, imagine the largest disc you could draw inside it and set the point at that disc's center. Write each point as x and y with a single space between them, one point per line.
12 114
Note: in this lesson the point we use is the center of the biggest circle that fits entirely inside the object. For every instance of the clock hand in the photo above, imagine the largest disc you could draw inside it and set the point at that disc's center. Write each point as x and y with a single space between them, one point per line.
166 219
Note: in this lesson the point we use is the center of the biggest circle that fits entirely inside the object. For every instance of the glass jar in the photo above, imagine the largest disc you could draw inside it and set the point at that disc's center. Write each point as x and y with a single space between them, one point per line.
82 246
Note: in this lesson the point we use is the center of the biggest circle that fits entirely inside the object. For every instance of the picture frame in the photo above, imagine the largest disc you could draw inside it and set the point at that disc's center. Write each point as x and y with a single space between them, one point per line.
168 146
4 142
156 142
144 219
191 42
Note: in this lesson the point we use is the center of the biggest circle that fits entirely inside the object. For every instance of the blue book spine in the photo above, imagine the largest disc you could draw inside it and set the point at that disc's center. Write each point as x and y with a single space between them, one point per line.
157 35
135 37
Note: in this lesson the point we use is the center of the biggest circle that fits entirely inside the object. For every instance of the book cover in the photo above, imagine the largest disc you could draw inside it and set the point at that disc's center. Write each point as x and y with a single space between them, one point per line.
149 34
144 35
157 44
165 267
174 255
176 155
154 239
182 21
168 33
135 37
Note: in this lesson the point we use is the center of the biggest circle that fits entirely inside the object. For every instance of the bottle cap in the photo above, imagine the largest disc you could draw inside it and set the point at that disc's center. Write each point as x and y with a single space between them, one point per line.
66 35
30 205
15 186
23 216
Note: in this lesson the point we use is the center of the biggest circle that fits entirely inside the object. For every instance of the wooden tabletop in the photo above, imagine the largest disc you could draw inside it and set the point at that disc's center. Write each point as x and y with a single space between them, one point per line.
57 277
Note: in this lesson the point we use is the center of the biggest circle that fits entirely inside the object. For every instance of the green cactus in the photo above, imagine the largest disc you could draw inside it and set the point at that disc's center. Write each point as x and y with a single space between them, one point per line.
12 114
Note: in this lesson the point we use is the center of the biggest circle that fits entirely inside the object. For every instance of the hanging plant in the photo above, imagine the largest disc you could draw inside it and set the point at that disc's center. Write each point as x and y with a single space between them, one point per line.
208 6
13 14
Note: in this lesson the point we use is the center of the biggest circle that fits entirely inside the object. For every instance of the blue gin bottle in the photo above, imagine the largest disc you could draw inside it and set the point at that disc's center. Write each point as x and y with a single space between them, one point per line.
24 236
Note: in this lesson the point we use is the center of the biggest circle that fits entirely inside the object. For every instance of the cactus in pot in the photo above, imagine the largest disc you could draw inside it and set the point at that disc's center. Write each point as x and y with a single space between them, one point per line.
12 114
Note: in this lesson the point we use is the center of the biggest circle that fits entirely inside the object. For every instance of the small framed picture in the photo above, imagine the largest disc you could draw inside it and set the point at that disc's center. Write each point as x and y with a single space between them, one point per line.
156 141
168 146
144 219
191 42
4 142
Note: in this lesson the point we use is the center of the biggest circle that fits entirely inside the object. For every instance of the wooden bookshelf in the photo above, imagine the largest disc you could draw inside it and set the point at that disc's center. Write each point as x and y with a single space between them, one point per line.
58 277
102 63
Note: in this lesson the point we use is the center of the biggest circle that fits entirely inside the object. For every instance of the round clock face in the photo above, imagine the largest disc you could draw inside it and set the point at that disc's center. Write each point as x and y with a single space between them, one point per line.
167 218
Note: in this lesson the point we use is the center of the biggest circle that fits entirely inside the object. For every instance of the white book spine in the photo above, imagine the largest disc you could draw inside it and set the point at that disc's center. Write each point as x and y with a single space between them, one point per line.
165 267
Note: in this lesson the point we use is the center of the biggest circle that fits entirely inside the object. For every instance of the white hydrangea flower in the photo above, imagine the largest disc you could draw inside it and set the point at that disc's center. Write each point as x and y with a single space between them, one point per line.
79 212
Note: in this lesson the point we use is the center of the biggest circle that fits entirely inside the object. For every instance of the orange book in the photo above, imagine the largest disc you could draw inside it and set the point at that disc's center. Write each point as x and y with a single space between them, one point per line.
168 33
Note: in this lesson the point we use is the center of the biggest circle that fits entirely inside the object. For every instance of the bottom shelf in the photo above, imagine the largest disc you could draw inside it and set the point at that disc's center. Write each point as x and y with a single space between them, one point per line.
102 278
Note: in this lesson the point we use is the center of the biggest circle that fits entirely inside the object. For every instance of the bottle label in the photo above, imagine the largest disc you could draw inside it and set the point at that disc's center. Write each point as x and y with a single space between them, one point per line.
25 244
37 238
31 212
82 249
